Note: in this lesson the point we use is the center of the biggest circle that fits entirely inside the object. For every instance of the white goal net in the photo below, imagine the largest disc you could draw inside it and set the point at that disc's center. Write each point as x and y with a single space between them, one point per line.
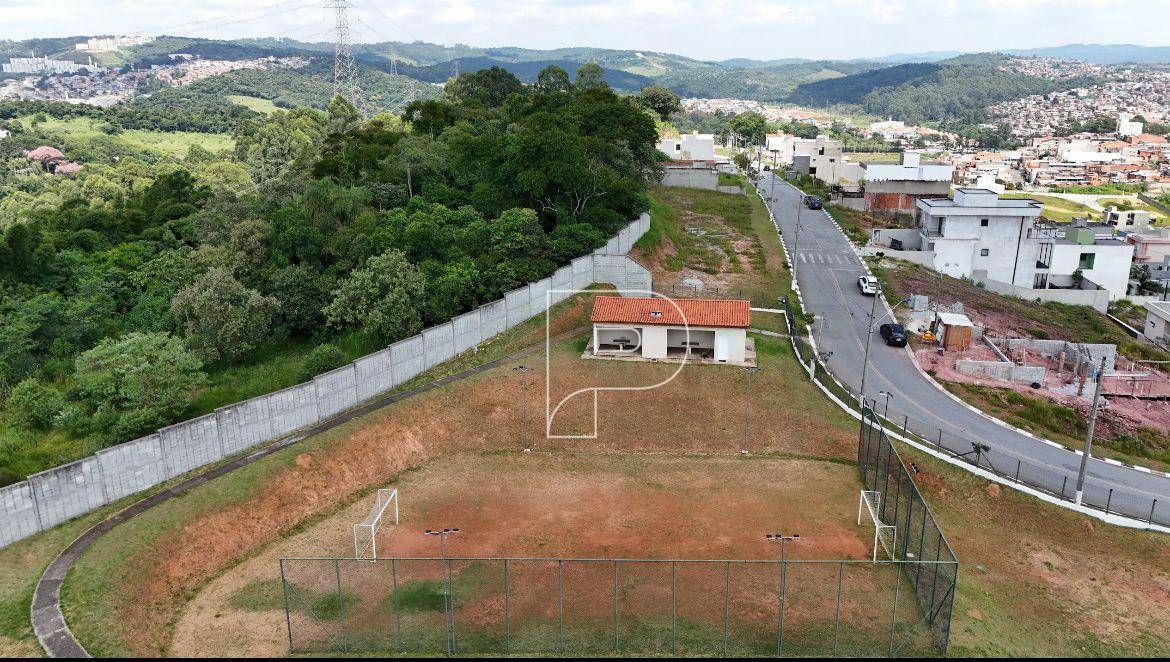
884 534
365 533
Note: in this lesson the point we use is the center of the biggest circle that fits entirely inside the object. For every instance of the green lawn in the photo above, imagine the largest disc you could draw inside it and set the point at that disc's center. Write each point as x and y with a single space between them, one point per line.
169 143
253 103
1057 209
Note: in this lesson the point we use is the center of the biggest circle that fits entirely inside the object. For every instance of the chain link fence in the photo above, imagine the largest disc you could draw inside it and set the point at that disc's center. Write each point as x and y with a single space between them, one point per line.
1058 483
609 607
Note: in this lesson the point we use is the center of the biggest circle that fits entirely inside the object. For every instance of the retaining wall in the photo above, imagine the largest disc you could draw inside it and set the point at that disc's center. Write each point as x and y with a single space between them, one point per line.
59 494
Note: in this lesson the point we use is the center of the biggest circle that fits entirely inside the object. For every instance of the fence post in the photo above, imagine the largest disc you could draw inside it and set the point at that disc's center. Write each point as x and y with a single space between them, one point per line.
1018 471
905 423
340 605
938 445
837 617
507 614
894 609
674 607
394 599
561 603
1152 507
1109 501
726 601
1062 486
284 594
616 641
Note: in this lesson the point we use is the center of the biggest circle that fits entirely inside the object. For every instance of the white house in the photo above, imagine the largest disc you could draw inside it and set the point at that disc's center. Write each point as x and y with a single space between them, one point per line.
1157 326
657 328
981 236
692 146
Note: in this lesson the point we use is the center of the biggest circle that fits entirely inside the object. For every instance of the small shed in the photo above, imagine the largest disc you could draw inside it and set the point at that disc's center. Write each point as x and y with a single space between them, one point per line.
952 330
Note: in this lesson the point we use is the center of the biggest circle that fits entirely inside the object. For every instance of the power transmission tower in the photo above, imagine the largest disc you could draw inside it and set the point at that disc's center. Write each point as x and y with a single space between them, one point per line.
455 68
344 66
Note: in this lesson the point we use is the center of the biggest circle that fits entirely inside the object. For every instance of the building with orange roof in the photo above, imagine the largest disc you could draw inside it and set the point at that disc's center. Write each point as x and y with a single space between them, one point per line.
659 328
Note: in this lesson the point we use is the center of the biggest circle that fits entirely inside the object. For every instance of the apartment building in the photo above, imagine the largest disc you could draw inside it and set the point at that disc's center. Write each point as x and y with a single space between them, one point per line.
980 236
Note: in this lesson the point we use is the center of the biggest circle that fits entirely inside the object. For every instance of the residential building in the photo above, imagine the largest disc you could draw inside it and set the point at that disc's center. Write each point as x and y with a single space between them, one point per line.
1157 326
980 236
1150 247
692 146
105 44
657 328
1130 220
898 187
1126 127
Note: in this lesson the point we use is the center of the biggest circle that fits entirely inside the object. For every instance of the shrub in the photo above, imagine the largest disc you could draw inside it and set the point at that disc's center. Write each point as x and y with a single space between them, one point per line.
33 404
323 358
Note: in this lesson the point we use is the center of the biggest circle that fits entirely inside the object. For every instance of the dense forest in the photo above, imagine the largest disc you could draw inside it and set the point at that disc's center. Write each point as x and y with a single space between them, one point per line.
137 293
955 90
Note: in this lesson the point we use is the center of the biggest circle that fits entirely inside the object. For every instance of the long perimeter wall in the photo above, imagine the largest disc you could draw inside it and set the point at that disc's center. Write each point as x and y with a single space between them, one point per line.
62 493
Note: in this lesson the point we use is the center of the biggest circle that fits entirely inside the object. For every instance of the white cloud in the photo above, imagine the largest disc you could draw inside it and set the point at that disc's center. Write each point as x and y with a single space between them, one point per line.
712 29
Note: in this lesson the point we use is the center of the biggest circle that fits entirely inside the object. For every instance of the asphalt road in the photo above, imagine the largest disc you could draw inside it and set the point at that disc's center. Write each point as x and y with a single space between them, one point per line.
827 269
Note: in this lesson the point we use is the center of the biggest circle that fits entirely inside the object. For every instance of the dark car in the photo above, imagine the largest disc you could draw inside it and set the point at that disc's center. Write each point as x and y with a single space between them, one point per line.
813 202
893 334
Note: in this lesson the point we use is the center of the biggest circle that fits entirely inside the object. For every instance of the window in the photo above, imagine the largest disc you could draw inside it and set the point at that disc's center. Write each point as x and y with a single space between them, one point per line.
1087 260
983 223
983 252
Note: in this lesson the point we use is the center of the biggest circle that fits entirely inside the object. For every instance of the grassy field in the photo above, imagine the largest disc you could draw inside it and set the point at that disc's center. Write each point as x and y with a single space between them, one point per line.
253 103
1058 210
725 240
170 143
1035 579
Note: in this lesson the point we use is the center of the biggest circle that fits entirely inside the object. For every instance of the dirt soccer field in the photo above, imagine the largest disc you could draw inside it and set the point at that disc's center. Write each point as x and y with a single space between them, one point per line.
568 505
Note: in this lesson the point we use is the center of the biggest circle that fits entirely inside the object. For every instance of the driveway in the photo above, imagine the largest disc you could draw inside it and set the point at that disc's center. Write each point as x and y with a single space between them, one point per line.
827 269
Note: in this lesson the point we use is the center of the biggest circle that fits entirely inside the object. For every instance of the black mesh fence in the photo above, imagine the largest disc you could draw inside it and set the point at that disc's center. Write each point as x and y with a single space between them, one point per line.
609 607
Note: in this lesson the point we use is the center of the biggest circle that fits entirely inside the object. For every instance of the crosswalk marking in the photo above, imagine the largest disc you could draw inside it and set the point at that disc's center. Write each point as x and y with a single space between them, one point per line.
820 257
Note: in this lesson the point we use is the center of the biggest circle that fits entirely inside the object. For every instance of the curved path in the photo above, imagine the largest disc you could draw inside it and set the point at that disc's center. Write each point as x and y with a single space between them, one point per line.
47 619
827 268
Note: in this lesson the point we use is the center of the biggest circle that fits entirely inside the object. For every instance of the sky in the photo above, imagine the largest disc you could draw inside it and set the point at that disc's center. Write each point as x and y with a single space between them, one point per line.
703 29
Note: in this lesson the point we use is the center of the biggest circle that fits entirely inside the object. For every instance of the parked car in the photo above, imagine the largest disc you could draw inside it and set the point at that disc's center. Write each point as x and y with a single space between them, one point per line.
868 285
813 202
893 334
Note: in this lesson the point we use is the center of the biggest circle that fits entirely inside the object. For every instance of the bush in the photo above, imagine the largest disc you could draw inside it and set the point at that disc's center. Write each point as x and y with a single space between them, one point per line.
33 404
323 358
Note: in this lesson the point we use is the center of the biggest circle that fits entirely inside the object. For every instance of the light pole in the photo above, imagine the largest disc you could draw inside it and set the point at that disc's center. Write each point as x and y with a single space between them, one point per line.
886 411
868 337
781 538
1089 434
523 370
445 569
747 401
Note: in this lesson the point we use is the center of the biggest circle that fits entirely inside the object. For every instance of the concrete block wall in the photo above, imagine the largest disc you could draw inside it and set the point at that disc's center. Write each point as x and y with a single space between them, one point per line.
59 494
1052 348
1001 370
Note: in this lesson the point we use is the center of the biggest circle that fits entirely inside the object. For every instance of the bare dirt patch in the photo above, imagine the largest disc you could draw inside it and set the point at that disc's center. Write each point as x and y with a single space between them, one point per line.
558 505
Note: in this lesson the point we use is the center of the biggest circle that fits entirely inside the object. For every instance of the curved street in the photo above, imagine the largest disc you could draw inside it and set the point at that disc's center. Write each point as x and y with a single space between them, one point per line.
827 269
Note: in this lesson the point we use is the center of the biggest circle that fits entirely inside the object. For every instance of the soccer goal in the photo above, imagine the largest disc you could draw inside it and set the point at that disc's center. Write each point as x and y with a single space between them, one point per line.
365 533
883 534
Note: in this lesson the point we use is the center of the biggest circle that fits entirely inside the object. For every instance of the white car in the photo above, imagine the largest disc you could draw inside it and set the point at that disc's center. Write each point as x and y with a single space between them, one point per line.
868 285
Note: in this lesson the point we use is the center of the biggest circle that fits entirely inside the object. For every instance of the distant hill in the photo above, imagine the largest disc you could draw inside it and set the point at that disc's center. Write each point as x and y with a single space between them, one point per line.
958 89
1102 53
525 71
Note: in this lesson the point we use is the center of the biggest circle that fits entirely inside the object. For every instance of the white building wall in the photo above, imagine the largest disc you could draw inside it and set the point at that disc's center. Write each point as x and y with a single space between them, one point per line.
654 342
736 340
1110 266
959 251
1156 328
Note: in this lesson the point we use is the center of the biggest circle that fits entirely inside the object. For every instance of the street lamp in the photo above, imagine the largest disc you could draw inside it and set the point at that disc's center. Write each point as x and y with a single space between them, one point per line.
781 538
523 370
747 400
445 569
886 411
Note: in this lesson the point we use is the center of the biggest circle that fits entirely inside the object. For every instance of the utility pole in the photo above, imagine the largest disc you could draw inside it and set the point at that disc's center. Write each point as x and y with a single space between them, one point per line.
1089 434
522 370
868 337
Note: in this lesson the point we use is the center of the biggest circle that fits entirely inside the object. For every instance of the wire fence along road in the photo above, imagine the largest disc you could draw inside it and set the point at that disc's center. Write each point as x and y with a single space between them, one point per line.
919 409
